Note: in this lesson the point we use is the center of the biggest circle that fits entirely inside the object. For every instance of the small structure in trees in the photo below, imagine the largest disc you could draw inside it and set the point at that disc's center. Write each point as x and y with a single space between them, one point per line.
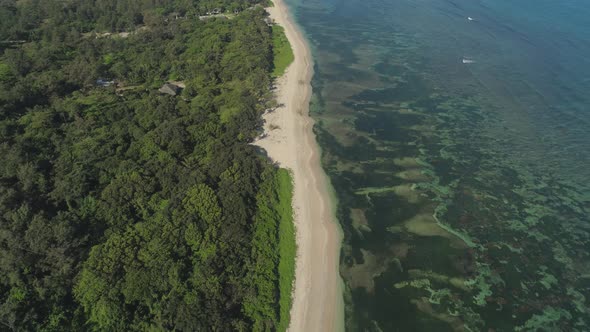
170 89
215 11
105 83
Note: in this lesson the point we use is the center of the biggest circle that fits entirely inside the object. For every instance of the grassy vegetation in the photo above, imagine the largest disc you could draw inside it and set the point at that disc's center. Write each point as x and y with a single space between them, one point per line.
272 268
5 72
283 54
287 247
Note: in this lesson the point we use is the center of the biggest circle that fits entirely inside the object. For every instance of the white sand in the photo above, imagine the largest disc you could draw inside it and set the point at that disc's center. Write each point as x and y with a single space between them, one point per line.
317 295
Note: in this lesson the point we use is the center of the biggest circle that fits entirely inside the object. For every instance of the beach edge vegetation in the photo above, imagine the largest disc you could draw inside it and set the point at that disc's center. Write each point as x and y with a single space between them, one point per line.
283 57
272 271
287 247
283 53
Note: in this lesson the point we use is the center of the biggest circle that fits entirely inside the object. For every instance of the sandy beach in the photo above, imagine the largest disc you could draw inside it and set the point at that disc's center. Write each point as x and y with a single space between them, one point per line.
290 141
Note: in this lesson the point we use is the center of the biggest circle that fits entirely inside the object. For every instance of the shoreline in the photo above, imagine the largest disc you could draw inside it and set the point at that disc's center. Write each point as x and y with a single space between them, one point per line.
317 299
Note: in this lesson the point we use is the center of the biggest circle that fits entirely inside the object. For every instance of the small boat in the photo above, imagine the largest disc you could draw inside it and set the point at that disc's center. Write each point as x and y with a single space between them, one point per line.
466 60
469 18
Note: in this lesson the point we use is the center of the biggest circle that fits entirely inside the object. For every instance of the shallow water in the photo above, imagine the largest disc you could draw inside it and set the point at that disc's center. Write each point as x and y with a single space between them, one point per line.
460 154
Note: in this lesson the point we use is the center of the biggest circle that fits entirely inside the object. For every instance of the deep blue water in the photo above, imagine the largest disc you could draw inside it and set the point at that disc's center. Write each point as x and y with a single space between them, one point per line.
460 154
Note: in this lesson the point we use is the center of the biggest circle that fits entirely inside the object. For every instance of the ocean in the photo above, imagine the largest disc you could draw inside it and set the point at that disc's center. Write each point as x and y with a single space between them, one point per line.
456 135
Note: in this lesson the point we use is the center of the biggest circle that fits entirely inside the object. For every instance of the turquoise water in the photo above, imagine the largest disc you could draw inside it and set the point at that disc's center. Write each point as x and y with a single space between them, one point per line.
460 154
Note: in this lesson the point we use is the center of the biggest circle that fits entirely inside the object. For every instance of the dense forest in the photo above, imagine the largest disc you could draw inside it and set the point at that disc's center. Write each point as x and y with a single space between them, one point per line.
126 209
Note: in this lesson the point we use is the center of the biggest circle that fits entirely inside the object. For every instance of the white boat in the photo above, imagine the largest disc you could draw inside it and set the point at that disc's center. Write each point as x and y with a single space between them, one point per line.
469 18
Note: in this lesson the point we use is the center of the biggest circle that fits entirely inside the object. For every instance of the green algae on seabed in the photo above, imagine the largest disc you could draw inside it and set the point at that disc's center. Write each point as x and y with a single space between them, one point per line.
440 278
546 321
547 280
374 190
